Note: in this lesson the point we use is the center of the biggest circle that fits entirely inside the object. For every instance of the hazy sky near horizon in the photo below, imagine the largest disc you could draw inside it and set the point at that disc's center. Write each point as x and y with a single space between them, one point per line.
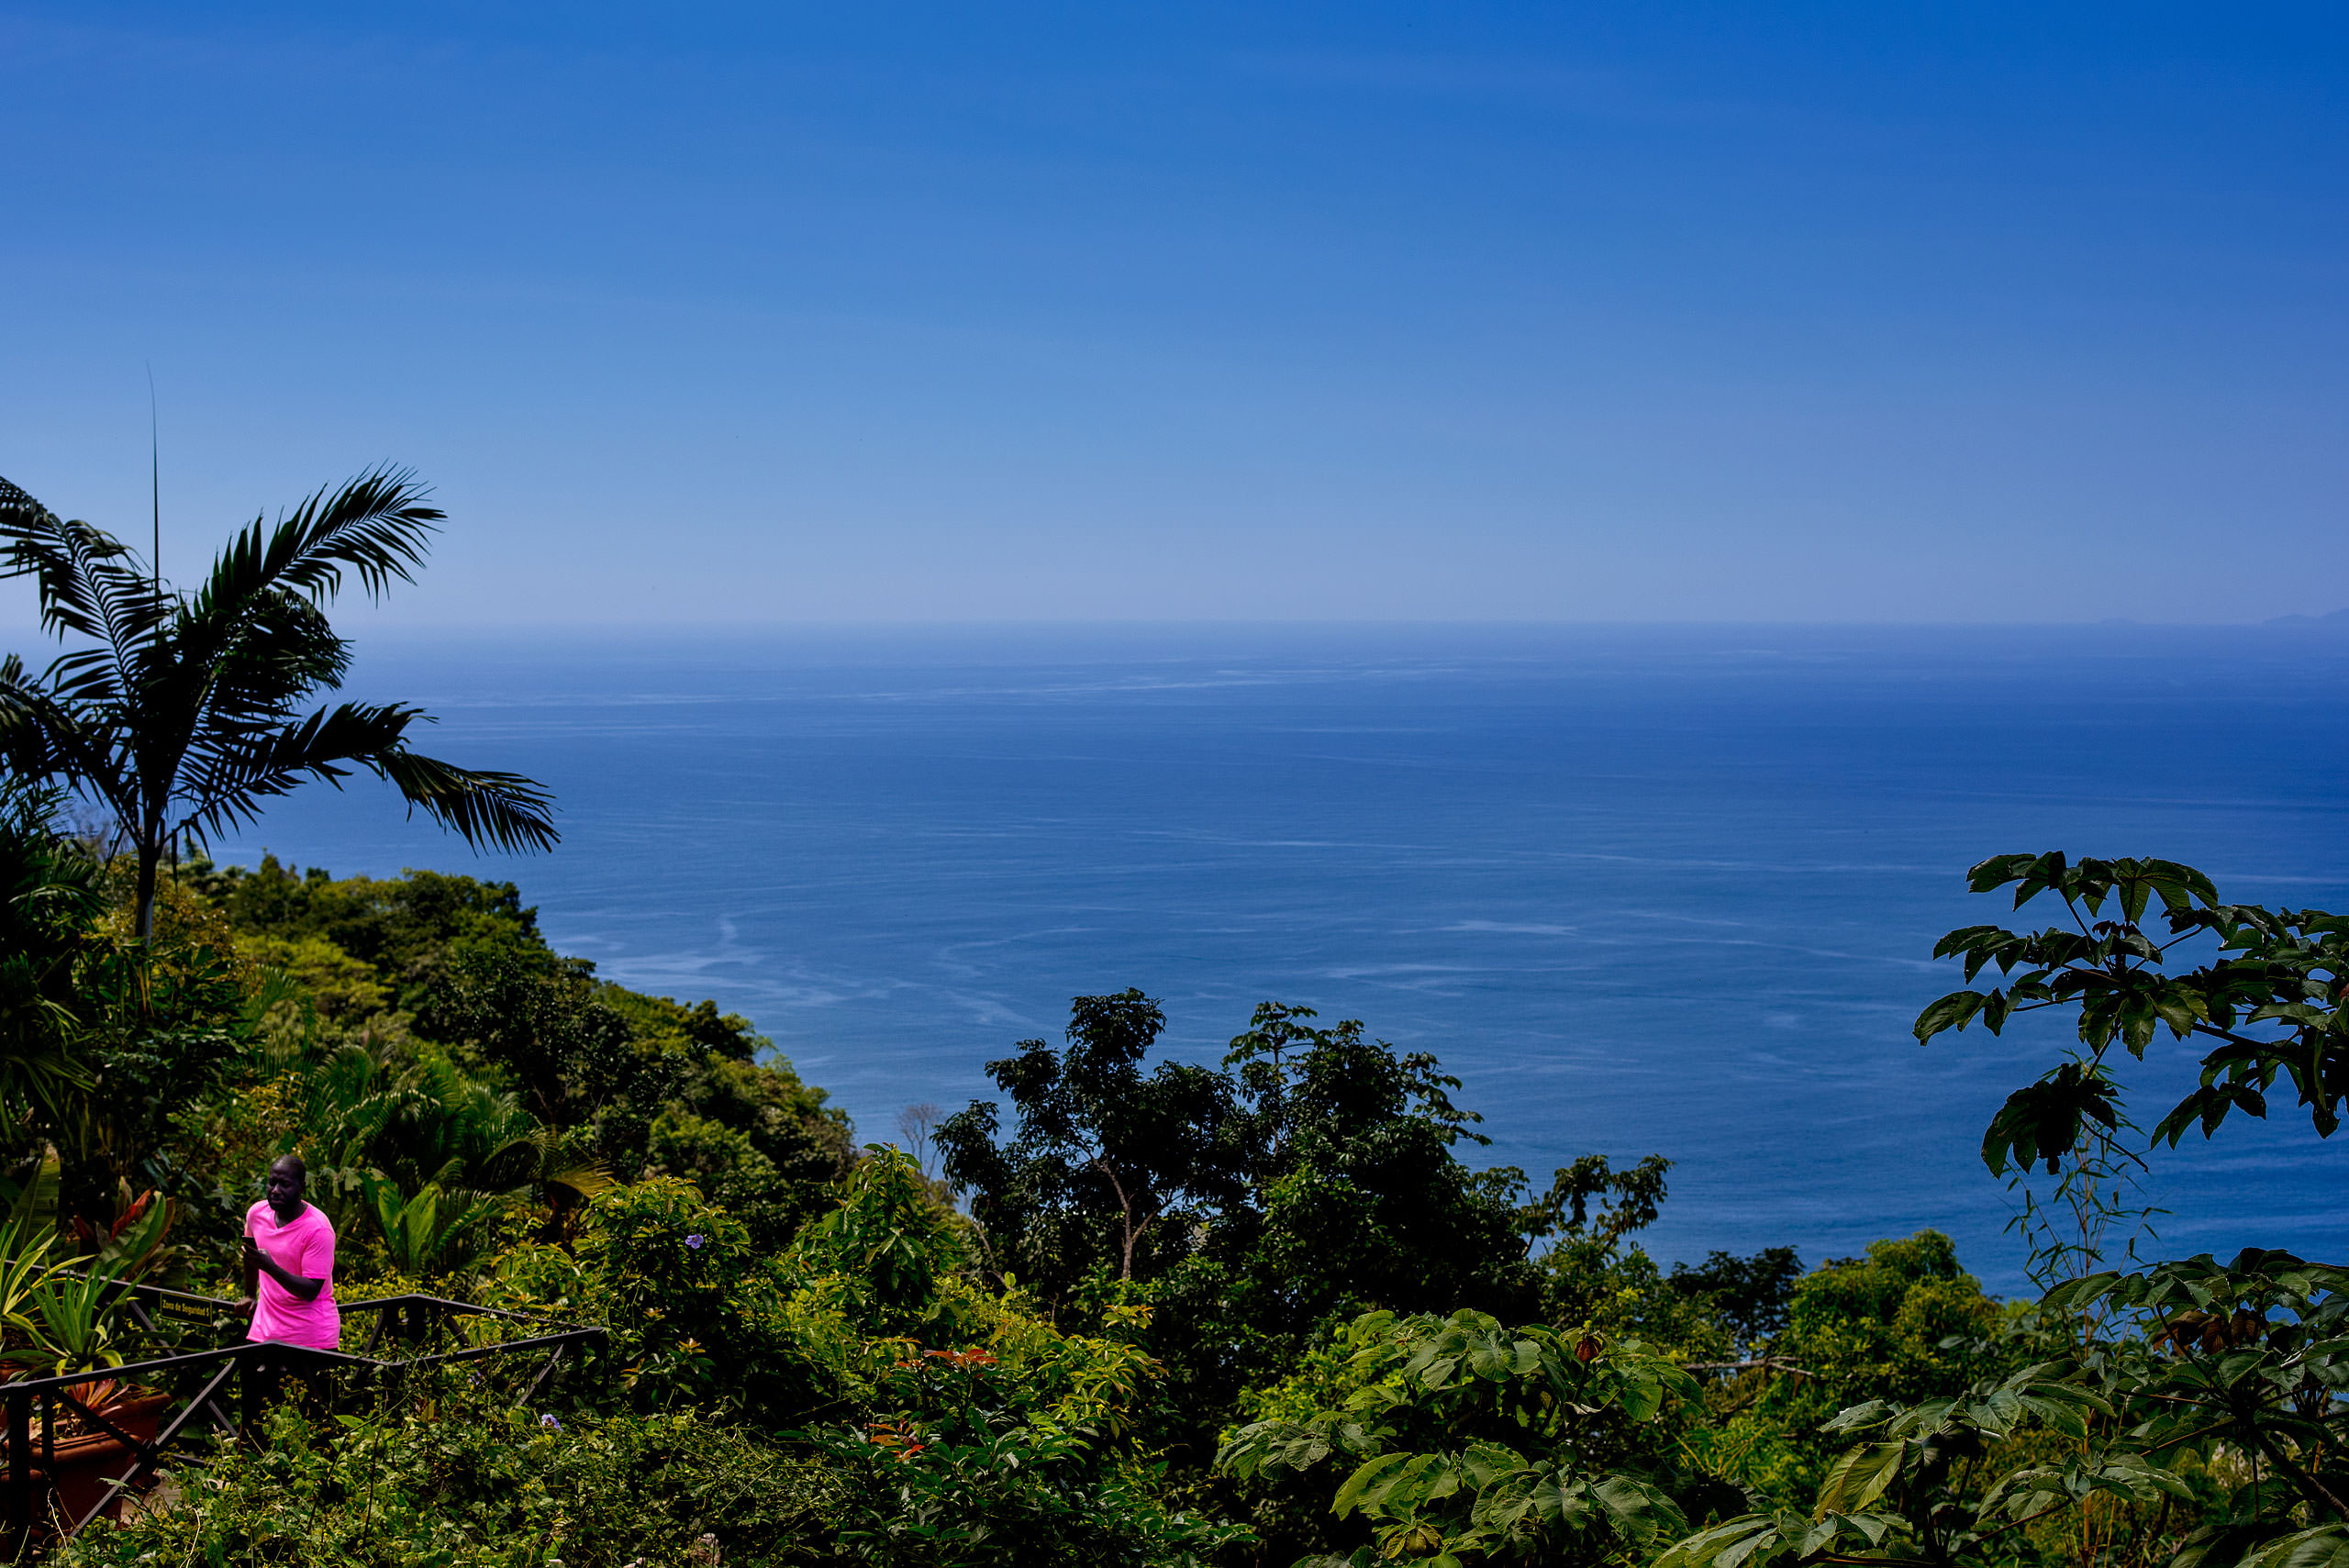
786 312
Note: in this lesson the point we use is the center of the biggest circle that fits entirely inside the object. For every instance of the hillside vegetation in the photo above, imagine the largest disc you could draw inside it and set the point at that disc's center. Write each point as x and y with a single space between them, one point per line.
1133 1310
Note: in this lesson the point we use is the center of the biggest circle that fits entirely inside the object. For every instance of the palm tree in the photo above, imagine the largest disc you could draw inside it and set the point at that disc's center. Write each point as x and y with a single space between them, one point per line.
181 714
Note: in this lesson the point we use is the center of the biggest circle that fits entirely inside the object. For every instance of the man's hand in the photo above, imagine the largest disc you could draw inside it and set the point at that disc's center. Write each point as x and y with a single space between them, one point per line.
260 1261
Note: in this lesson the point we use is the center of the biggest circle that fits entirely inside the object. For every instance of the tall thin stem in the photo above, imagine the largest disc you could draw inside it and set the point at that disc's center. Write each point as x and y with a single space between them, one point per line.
155 479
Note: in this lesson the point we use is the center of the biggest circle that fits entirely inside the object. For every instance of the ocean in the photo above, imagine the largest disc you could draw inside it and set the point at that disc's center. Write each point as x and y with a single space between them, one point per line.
1643 890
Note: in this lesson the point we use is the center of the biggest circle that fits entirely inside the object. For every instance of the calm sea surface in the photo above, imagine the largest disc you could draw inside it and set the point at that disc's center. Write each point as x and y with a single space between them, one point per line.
1644 891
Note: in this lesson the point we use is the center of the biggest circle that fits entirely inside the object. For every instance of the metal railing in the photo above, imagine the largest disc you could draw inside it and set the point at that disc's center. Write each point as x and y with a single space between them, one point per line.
429 1330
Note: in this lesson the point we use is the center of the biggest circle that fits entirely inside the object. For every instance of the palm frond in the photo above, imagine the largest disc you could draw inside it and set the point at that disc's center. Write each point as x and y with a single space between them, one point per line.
231 771
231 768
27 750
47 736
127 605
481 805
17 504
37 544
375 526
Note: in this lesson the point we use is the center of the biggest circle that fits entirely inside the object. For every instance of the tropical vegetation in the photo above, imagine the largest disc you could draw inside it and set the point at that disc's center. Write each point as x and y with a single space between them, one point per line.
1269 1310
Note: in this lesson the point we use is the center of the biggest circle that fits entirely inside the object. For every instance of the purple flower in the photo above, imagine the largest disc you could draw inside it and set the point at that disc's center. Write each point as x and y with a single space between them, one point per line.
694 1241
548 1421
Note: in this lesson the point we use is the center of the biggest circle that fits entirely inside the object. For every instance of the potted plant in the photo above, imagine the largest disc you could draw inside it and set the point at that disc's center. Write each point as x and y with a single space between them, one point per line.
68 1313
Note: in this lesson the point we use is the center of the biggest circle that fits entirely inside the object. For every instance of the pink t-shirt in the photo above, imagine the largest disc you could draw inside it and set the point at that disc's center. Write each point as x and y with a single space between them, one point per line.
302 1247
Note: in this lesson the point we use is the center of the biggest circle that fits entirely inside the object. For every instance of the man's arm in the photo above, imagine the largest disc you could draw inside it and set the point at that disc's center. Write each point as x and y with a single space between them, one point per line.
299 1288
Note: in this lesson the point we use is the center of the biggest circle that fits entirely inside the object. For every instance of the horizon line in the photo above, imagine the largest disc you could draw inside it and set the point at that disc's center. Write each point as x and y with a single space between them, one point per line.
2334 620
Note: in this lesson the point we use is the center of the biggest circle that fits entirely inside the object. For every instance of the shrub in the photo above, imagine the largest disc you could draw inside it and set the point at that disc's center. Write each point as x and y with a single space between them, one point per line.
453 1479
674 1280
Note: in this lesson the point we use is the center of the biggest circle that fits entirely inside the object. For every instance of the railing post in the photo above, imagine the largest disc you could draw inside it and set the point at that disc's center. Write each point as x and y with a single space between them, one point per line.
20 1461
253 1367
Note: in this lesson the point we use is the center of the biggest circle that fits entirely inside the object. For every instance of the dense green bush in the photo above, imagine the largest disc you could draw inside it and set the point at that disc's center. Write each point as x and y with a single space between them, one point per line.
451 1477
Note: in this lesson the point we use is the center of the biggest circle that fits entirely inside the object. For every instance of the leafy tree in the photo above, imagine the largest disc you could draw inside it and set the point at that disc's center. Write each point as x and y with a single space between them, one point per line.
1592 1273
1109 1166
1357 1196
182 714
757 1139
547 1033
1904 1323
1748 1297
1595 1271
1311 1178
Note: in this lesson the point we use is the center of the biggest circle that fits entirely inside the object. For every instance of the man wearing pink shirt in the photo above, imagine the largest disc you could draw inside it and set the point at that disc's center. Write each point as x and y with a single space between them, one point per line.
289 1259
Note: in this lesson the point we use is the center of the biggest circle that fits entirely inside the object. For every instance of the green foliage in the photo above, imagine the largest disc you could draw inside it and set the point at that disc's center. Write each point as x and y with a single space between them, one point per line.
1011 1451
49 901
2207 1429
458 1480
1911 1490
546 1032
422 1234
1592 1271
1747 1297
1904 1323
74 1317
2274 999
1360 1199
162 1022
1107 1166
446 1045
2249 1358
1312 1177
410 933
890 1242
1465 1438
669 1272
1013 1494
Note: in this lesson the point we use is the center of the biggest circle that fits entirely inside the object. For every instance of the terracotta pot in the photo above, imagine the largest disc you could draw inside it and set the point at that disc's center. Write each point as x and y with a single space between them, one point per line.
88 1464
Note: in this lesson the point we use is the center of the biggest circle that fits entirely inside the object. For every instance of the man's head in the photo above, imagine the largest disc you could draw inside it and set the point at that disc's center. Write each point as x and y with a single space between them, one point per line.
287 1179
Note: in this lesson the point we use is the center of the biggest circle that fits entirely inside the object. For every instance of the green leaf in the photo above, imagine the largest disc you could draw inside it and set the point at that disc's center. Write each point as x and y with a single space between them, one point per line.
1860 1477
1951 1012
2326 1546
1350 1493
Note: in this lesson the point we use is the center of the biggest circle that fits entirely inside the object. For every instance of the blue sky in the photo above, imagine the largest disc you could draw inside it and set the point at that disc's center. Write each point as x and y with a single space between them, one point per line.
968 311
